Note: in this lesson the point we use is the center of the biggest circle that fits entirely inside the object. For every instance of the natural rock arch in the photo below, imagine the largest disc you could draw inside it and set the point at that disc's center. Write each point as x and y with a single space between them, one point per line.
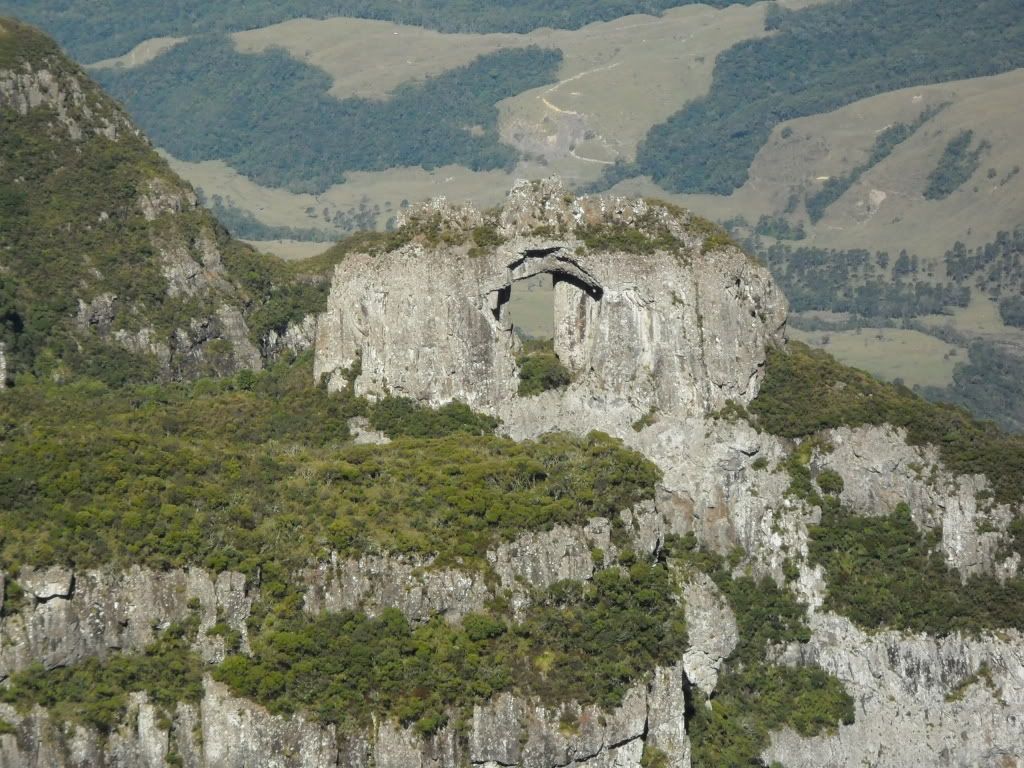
670 327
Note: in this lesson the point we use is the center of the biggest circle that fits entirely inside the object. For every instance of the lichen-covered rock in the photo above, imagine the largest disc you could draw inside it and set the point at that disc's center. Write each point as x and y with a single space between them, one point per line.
674 328
373 582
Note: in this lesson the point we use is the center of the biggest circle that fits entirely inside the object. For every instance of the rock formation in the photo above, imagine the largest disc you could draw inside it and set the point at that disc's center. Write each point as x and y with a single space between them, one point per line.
661 325
674 329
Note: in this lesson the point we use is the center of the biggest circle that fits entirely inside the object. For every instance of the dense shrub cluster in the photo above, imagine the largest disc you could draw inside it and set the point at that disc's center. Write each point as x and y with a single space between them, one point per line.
238 472
883 572
753 696
95 692
540 369
583 642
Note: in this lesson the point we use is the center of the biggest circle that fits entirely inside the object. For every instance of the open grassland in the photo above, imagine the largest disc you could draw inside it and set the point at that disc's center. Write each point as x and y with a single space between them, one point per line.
617 79
891 353
886 208
142 53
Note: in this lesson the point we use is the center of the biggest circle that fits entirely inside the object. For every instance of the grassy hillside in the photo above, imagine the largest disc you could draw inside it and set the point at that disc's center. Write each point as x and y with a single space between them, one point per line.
819 59
100 30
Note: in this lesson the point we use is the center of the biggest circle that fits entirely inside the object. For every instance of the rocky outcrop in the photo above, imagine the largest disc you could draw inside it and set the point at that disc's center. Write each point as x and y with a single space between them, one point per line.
673 329
954 701
880 471
296 338
373 583
70 616
711 628
223 731
52 84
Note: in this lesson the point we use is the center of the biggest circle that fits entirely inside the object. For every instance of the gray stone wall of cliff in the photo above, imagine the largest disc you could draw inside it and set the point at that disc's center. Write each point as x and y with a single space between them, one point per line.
669 331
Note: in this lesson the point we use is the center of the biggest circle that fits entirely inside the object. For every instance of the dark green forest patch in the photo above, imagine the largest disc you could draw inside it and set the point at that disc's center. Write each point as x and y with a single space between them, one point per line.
883 572
958 163
271 117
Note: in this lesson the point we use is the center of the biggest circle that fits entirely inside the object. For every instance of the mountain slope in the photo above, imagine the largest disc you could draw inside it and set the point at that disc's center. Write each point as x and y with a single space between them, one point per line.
107 264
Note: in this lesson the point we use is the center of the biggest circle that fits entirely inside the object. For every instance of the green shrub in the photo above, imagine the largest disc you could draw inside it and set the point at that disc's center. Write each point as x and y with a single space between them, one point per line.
582 642
95 693
403 417
883 572
805 391
240 473
540 369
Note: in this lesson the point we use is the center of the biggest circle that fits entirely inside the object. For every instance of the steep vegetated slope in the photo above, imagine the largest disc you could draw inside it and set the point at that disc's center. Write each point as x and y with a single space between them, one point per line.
456 596
109 267
819 59
277 124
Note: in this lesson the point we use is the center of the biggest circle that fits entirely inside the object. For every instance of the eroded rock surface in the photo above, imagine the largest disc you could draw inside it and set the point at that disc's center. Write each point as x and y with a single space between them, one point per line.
674 329
919 700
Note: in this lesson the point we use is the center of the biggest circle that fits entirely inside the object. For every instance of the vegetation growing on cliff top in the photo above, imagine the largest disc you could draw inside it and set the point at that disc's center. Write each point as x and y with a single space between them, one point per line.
805 391
235 473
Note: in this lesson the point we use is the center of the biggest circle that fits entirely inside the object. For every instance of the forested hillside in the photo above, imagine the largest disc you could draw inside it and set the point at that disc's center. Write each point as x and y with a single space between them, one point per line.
276 123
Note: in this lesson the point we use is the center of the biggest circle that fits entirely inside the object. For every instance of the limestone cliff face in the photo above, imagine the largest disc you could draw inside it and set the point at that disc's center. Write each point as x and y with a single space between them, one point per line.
671 329
920 701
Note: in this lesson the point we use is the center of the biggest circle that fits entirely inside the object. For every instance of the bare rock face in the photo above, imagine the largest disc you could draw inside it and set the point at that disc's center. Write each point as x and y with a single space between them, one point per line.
223 731
951 702
73 616
712 630
373 583
670 327
52 85
880 471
